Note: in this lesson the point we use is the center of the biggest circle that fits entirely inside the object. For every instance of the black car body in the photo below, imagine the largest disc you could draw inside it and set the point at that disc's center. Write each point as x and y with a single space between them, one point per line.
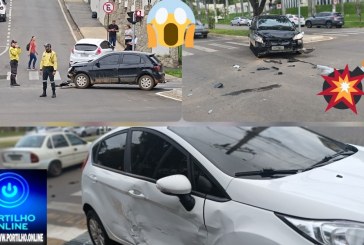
328 19
274 34
127 67
201 30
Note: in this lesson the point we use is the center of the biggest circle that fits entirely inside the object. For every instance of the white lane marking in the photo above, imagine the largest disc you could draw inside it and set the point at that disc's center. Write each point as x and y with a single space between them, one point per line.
66 207
33 75
57 77
241 44
326 34
185 53
6 49
168 96
209 50
68 23
8 76
222 45
63 233
78 193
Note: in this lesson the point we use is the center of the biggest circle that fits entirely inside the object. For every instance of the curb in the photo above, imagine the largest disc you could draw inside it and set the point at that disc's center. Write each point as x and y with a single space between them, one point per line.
174 94
72 19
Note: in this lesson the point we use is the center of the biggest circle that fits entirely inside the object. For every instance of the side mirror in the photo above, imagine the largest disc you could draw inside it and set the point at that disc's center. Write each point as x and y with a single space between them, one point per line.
98 65
180 186
314 16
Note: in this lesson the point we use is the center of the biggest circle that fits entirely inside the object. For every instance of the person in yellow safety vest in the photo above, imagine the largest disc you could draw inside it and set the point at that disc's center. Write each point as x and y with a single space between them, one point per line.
48 66
14 52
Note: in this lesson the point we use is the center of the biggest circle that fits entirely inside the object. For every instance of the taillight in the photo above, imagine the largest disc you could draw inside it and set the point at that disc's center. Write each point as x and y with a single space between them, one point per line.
157 68
85 161
98 51
34 158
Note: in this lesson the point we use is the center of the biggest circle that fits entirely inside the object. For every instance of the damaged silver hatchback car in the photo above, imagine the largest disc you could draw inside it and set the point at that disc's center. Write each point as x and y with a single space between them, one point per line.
207 185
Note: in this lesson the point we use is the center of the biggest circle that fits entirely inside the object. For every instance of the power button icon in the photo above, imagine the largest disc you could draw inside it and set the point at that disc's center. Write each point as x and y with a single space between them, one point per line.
14 190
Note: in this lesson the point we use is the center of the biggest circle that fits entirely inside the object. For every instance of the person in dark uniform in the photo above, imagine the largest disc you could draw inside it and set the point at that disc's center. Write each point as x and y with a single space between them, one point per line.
14 52
113 29
48 66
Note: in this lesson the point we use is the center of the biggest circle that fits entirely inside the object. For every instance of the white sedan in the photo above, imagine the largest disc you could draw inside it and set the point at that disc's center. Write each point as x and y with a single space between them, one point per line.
51 150
294 19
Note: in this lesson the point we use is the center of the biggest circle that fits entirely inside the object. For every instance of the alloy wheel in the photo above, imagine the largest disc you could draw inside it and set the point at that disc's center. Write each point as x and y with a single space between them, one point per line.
96 232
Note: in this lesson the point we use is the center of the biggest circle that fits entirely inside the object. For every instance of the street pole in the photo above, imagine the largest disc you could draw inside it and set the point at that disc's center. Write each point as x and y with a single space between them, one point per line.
133 37
299 16
107 30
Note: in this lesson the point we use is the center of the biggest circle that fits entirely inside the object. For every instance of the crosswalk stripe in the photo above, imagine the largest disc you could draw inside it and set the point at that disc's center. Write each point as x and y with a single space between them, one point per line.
78 193
33 75
185 53
241 44
57 77
209 50
63 233
66 207
8 76
222 45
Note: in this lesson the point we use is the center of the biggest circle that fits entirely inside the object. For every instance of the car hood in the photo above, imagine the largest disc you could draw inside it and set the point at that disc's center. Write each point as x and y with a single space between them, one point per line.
334 191
277 34
199 27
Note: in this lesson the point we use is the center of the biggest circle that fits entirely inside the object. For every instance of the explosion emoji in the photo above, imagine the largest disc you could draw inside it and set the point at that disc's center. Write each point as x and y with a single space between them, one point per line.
343 89
170 23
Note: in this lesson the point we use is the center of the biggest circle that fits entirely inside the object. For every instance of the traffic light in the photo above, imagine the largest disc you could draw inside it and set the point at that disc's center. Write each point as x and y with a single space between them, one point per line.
138 16
131 18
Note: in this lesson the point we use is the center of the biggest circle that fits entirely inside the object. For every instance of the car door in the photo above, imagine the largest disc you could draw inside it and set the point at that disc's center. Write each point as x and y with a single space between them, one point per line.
154 217
79 147
105 69
62 150
130 67
320 19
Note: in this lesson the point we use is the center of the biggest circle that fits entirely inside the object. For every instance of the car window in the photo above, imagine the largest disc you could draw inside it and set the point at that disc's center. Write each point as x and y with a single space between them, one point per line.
32 141
131 59
59 141
74 140
110 152
105 45
154 157
85 47
154 59
112 59
49 144
279 23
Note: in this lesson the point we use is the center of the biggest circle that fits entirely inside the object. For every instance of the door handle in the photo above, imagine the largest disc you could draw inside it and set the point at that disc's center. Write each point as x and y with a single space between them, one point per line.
75 149
93 177
59 153
136 194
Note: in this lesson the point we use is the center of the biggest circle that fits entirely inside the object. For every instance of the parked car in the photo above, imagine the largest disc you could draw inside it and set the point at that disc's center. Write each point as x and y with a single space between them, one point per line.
201 30
274 34
294 19
86 131
328 19
89 49
53 151
40 129
127 67
238 21
223 185
2 11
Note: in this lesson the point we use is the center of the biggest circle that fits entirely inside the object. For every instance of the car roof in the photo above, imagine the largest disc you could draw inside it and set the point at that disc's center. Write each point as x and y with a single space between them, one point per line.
132 52
50 133
90 41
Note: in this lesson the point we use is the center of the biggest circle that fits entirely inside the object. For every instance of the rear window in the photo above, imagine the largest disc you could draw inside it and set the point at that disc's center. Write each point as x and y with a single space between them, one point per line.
155 60
85 47
337 14
32 141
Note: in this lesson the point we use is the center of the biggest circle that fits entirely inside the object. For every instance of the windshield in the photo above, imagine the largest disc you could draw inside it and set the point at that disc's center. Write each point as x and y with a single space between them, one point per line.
33 141
242 149
276 23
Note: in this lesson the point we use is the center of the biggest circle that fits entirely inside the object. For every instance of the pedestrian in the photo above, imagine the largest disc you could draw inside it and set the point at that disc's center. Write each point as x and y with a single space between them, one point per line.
14 52
132 43
113 29
32 53
128 36
48 65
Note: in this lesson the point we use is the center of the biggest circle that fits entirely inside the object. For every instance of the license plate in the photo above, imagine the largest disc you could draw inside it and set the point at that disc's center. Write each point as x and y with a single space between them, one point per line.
15 157
275 48
84 55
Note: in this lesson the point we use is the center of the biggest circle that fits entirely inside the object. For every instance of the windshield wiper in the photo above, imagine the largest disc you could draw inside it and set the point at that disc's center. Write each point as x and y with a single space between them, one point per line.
347 151
267 172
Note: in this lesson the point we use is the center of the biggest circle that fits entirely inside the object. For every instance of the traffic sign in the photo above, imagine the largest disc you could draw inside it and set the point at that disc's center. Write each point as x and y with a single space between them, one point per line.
335 1
279 6
108 7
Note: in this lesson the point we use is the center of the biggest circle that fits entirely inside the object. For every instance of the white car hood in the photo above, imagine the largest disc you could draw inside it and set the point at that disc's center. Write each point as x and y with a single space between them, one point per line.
334 191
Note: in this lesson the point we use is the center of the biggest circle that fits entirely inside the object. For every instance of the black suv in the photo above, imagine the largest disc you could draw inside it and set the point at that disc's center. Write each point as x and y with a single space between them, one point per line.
328 19
128 67
274 34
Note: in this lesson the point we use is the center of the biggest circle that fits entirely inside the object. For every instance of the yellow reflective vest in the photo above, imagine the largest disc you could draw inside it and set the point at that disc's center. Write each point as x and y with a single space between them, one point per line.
49 59
14 53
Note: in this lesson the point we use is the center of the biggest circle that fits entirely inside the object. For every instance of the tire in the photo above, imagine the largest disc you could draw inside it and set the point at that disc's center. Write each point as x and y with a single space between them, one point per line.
55 168
308 24
328 24
82 81
339 26
83 134
205 36
255 51
146 82
97 132
231 24
96 230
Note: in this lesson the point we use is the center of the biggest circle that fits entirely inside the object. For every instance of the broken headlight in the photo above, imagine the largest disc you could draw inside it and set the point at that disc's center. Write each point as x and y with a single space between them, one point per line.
298 36
258 39
331 232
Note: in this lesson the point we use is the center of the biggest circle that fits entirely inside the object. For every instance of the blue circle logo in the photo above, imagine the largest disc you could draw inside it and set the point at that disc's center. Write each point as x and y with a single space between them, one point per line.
14 190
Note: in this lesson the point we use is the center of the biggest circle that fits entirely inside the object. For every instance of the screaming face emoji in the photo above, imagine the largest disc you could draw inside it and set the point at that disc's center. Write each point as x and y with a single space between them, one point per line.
170 23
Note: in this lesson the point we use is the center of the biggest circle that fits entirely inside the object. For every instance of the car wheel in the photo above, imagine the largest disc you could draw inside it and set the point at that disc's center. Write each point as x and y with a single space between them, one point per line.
82 81
83 134
255 51
328 24
308 24
339 26
55 168
205 36
96 229
231 24
97 132
146 82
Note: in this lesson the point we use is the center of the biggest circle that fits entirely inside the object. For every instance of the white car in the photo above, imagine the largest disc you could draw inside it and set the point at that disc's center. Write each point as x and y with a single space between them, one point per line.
88 49
51 150
238 21
2 11
295 20
86 131
223 186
